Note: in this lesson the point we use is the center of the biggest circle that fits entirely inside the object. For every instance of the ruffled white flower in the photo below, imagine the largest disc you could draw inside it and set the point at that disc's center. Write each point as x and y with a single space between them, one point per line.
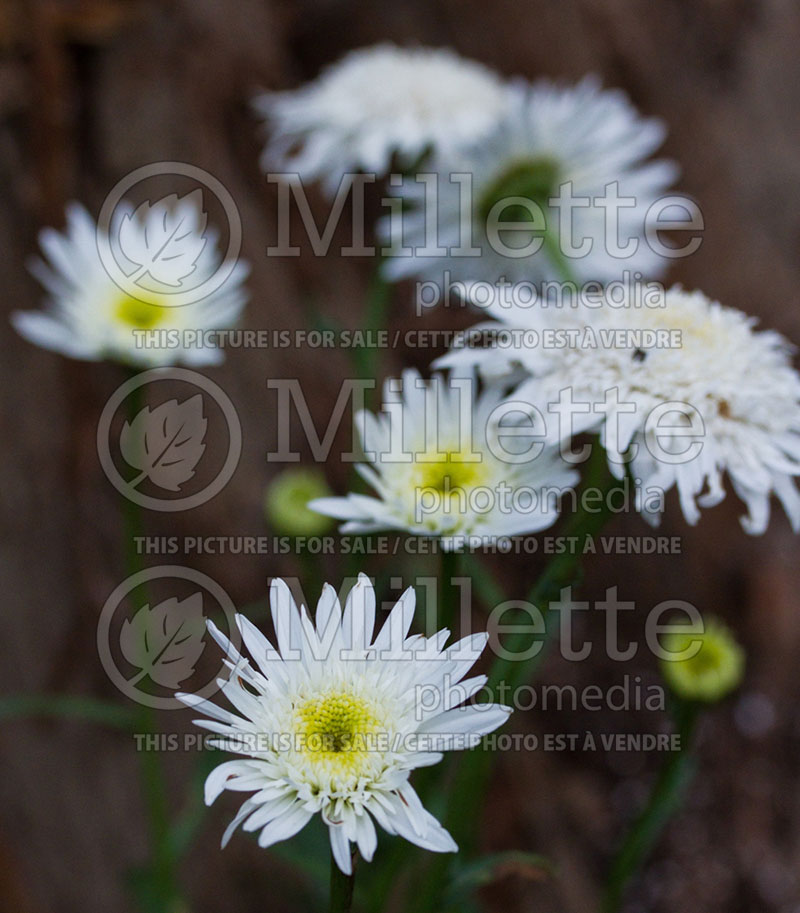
442 467
735 384
379 102
580 139
89 316
333 725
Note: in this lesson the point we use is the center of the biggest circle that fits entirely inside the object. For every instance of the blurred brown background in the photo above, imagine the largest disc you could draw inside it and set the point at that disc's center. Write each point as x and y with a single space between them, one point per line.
91 90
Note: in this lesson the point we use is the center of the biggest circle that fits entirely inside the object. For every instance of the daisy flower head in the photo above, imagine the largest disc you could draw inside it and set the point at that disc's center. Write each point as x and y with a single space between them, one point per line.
377 103
531 203
90 317
441 465
331 722
686 393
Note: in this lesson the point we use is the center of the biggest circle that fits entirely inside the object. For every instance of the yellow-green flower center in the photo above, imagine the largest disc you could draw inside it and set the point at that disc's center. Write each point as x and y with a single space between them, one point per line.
139 315
338 729
453 473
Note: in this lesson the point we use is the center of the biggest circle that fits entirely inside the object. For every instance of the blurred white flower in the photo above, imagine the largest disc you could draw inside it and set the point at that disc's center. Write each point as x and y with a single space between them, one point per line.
555 140
442 467
735 386
89 316
378 102
333 724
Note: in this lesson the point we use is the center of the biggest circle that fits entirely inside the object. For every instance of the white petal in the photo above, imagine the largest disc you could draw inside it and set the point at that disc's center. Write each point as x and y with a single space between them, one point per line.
340 847
366 837
286 619
359 614
246 809
216 781
286 826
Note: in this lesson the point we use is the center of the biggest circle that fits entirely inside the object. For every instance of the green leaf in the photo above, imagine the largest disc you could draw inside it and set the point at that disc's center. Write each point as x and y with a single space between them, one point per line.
530 866
89 709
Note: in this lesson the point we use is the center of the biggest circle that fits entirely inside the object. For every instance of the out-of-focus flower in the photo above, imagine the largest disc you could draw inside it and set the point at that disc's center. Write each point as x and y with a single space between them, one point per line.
286 502
379 102
333 724
89 316
442 468
687 392
703 667
556 141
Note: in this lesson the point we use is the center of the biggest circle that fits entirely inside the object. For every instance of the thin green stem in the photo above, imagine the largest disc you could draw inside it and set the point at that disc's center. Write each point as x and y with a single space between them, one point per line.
341 889
665 799
552 247
153 781
474 768
376 308
560 572
449 592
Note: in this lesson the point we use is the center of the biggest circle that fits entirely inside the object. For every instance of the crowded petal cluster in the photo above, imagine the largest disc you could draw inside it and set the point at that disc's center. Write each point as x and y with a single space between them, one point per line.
377 104
440 467
681 393
331 723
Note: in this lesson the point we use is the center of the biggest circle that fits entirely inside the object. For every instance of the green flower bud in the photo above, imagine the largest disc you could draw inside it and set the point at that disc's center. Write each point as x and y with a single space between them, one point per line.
286 502
703 667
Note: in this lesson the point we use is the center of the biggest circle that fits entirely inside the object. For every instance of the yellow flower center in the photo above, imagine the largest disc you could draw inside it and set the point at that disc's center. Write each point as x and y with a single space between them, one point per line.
456 472
338 730
139 315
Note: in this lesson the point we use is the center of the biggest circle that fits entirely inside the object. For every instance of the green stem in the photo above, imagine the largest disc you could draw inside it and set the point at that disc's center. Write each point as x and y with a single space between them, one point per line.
664 801
474 768
560 572
378 297
341 889
365 360
449 592
552 247
153 781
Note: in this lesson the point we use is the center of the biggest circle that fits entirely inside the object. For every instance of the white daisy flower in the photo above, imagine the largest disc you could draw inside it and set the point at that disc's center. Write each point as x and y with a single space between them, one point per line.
555 140
333 724
734 395
88 316
379 102
441 466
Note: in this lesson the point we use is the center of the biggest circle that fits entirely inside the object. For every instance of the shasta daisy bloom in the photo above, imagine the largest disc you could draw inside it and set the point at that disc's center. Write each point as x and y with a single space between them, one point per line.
688 392
90 317
333 724
556 141
441 466
376 103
